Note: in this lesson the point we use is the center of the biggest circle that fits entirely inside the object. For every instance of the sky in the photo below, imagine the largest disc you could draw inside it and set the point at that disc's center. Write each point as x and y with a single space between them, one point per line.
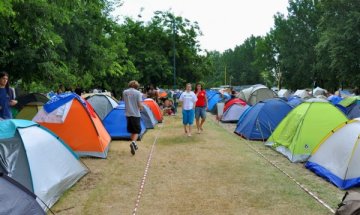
224 23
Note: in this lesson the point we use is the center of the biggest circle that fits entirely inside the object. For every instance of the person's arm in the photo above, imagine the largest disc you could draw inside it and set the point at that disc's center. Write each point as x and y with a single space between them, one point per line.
181 99
140 104
206 102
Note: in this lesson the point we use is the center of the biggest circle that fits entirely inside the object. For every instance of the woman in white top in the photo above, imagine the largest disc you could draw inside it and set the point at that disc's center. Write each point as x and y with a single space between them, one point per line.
188 98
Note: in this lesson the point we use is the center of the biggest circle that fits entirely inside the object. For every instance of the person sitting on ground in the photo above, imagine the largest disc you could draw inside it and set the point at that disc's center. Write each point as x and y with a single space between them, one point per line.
168 108
152 93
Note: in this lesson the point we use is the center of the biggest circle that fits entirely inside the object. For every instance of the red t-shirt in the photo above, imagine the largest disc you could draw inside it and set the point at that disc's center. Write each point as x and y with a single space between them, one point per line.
201 99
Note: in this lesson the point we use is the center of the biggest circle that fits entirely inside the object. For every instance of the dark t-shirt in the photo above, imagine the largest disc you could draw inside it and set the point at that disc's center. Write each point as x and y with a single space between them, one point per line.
5 98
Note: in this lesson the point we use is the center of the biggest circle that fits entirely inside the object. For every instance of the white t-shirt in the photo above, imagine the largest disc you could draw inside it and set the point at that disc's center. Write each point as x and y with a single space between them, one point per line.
188 99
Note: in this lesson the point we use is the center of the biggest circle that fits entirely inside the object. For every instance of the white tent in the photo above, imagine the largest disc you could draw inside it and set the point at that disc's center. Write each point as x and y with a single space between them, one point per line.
43 163
284 93
337 158
302 94
256 93
319 91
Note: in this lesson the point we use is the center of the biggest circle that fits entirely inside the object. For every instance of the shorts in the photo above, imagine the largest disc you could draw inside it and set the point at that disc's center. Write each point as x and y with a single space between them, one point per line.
188 117
133 124
200 112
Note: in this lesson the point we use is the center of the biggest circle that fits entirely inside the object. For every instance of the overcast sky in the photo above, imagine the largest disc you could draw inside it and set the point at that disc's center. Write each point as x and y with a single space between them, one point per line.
224 23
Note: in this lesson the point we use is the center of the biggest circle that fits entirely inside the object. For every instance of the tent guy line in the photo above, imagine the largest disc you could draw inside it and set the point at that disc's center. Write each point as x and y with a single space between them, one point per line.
322 202
147 167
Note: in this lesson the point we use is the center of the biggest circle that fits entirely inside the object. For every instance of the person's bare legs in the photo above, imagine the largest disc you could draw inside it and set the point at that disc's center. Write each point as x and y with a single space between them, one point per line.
198 126
202 123
189 134
134 137
185 129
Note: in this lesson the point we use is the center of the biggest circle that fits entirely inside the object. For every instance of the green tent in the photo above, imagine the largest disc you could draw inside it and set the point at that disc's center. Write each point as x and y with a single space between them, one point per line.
346 102
29 110
303 128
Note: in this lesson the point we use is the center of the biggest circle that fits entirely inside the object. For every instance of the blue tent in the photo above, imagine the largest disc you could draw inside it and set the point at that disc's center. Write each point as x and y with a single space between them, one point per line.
295 101
352 111
115 123
334 99
261 120
213 100
148 117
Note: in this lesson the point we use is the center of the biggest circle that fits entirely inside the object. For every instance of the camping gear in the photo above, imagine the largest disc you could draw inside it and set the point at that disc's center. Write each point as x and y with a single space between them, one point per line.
74 120
154 107
32 97
102 104
233 110
37 159
334 99
318 91
350 204
261 120
337 157
350 106
116 124
29 110
304 94
15 199
303 128
284 93
148 117
295 101
256 93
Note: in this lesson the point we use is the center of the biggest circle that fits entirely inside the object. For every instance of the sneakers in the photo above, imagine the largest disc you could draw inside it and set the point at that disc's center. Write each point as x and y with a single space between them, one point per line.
133 148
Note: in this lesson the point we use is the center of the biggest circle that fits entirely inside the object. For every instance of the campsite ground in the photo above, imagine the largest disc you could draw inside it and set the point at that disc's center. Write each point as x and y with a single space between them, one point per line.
211 173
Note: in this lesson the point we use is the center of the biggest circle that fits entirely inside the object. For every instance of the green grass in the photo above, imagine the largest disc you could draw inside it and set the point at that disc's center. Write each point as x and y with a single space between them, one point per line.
211 173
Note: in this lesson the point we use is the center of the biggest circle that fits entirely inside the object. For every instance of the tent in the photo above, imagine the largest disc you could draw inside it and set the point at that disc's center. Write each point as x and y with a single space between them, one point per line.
115 123
303 128
337 157
295 101
261 120
75 121
334 99
154 107
284 93
215 98
148 117
29 110
318 91
16 199
350 106
256 93
233 110
304 94
37 159
102 104
32 97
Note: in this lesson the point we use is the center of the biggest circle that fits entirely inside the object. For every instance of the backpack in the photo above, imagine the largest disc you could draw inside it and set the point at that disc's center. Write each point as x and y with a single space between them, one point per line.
350 204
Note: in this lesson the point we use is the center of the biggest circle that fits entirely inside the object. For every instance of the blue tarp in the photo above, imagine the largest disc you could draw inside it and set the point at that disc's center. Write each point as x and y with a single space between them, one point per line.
61 99
116 124
261 120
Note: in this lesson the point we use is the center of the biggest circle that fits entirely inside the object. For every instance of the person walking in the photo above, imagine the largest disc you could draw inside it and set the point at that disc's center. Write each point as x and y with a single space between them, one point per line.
188 98
133 105
200 107
7 97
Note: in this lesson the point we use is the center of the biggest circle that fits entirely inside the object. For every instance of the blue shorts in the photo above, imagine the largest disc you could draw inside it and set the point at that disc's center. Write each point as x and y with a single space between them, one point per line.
188 117
200 112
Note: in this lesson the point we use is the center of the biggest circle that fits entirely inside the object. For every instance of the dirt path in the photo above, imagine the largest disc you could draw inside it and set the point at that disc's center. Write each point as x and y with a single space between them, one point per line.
211 173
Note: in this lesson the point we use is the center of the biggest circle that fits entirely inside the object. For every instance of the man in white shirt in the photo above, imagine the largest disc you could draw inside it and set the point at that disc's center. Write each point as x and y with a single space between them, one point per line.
188 98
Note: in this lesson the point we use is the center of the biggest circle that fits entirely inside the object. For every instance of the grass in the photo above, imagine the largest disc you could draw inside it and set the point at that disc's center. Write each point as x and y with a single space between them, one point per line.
212 173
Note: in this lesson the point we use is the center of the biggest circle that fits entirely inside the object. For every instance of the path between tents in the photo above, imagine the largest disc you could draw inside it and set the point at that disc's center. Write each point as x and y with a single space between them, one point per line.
211 173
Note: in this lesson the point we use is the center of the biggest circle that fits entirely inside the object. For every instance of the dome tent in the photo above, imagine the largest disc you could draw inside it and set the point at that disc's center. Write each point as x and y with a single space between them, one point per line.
256 93
303 128
75 121
233 109
44 165
261 119
102 104
337 157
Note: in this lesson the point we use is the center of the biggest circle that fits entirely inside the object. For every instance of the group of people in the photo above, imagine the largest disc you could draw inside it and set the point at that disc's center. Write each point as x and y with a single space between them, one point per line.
194 106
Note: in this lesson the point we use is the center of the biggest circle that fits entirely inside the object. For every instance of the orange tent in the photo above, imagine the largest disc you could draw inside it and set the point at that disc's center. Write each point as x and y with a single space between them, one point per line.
74 120
154 107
